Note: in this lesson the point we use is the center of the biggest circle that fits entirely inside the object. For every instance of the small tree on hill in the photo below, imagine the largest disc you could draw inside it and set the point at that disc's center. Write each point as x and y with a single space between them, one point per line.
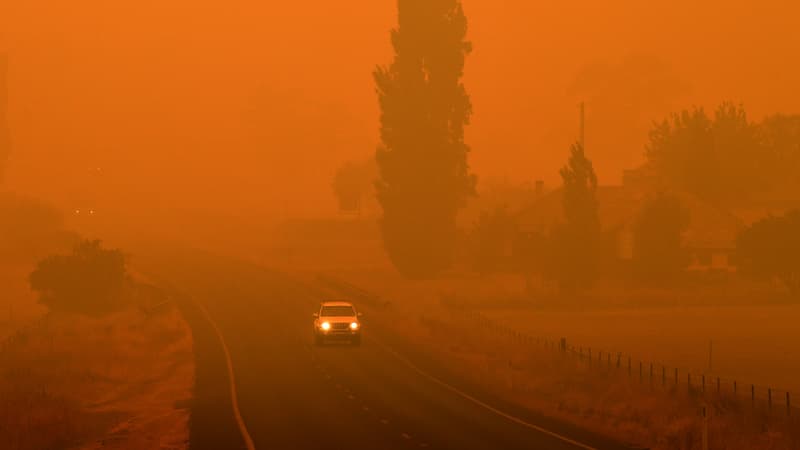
89 281
658 251
770 248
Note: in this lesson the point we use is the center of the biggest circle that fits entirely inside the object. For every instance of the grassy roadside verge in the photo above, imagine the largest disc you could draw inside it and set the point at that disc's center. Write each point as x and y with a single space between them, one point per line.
122 382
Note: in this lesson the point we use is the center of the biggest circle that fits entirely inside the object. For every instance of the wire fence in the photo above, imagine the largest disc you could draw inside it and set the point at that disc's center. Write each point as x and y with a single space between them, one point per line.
765 400
758 398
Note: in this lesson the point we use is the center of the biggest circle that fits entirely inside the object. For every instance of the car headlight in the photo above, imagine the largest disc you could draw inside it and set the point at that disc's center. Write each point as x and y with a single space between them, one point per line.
325 326
354 326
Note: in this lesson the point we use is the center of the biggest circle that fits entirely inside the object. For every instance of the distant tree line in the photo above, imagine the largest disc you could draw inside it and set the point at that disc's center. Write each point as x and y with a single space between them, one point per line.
726 159
424 179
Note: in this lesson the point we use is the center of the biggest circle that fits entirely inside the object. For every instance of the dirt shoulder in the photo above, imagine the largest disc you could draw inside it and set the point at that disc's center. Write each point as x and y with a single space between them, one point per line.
121 382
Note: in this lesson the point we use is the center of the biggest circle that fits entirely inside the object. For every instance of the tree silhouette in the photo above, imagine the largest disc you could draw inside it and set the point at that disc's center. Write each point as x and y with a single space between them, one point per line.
658 251
771 248
720 159
577 242
424 175
741 168
89 281
681 149
779 137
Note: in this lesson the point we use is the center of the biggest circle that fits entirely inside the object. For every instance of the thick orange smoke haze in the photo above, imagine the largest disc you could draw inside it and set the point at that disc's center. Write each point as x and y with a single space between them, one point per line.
247 107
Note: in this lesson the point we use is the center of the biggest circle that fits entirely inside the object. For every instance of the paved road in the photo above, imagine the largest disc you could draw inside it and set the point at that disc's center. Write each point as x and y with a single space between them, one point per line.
293 395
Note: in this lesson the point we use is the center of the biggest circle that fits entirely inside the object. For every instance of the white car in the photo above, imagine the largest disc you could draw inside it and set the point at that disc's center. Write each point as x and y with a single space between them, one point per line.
337 321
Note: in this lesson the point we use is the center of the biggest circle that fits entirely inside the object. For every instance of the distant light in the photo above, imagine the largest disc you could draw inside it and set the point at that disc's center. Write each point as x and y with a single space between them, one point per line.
354 326
77 211
325 326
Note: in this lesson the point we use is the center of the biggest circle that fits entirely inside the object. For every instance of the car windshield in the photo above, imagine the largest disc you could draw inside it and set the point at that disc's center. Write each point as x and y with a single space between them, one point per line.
338 310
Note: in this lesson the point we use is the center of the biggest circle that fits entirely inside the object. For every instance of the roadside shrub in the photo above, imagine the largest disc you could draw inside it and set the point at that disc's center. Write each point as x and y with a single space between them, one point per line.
89 281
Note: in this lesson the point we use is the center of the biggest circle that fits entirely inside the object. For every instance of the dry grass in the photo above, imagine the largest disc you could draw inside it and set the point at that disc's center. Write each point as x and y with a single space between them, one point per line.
605 400
118 382
18 304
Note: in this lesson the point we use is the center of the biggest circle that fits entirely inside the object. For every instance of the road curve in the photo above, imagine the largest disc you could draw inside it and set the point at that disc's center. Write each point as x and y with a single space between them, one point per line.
293 395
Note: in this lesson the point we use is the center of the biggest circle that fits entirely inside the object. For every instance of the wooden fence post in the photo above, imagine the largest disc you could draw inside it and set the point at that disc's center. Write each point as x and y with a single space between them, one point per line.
769 398
704 383
788 405
705 427
663 376
753 395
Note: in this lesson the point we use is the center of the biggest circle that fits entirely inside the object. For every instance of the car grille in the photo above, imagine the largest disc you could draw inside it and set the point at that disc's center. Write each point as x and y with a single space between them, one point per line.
340 326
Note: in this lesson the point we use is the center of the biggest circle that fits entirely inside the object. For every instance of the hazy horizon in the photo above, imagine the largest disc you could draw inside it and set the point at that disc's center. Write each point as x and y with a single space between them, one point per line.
208 108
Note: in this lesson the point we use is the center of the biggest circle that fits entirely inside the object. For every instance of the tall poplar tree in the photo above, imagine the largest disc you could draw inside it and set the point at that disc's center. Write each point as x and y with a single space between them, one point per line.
424 174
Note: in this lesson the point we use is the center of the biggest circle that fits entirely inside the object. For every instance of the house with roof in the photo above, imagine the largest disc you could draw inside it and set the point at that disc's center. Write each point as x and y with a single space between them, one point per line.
710 237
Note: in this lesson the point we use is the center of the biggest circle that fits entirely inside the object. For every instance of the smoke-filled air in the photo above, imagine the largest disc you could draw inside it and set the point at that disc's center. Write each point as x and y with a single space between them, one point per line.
441 224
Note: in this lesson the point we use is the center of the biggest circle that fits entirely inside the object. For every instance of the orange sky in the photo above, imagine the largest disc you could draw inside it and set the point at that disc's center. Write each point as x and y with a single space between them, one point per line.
247 107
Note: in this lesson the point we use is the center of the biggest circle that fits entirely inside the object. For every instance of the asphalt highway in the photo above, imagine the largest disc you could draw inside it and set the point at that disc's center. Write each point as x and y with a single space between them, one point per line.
293 395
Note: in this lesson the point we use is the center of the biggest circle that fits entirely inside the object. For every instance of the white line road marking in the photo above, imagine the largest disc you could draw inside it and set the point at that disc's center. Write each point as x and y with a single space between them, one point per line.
248 441
384 421
474 400
406 436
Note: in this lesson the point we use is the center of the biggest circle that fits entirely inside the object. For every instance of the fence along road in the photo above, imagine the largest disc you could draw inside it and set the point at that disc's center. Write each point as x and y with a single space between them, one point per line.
767 399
